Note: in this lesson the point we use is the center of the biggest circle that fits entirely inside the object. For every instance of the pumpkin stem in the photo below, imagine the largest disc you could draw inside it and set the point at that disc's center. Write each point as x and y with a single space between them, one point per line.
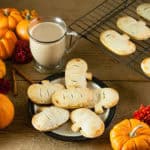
28 16
6 12
133 132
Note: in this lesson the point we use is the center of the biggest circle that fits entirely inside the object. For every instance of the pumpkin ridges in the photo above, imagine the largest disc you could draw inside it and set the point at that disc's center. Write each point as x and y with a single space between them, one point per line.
141 145
8 40
122 126
146 138
17 16
135 122
1 74
2 69
138 140
5 44
12 22
3 54
9 34
12 17
125 123
15 12
6 111
129 145
144 131
8 46
122 133
21 29
4 22
116 145
11 46
8 10
22 26
3 32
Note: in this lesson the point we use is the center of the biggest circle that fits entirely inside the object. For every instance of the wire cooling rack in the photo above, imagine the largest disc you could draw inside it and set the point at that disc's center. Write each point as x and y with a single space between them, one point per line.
103 17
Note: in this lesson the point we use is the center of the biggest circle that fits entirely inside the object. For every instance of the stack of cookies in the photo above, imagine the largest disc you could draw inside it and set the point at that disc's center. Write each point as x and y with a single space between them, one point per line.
74 101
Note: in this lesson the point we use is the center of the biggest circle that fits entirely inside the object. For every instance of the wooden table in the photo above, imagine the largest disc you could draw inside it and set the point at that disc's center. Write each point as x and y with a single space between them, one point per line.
133 88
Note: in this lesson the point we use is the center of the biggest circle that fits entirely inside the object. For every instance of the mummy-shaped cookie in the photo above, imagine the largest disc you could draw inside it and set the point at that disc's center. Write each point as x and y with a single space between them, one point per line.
76 73
84 97
117 43
73 98
144 11
42 93
106 98
50 118
87 122
136 29
145 66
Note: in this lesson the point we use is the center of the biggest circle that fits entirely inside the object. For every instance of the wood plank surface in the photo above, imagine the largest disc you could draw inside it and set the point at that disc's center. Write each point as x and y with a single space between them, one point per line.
133 88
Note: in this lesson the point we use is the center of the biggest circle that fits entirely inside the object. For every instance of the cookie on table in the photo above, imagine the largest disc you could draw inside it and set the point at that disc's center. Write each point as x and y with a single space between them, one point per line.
42 93
143 10
145 66
87 123
117 43
50 118
136 29
76 73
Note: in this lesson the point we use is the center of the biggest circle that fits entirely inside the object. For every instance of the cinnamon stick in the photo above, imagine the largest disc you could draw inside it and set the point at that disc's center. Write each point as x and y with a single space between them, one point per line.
14 82
22 75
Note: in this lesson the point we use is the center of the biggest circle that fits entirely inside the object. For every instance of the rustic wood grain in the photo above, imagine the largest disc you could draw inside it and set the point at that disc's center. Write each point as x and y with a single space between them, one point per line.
133 88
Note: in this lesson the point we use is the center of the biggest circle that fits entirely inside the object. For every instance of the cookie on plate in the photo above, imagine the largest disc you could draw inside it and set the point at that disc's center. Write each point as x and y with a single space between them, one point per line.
117 43
88 98
87 122
73 98
143 10
42 93
76 73
136 29
50 118
145 65
108 98
40 108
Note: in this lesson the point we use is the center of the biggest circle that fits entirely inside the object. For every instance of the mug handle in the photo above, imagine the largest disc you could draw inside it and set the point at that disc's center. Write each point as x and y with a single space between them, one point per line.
74 38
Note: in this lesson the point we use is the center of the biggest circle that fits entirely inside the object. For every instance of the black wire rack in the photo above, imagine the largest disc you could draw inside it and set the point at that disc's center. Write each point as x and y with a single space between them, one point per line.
103 17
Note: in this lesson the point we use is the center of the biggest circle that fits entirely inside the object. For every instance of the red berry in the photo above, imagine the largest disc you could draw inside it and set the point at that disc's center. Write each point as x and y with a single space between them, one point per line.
4 86
22 53
143 114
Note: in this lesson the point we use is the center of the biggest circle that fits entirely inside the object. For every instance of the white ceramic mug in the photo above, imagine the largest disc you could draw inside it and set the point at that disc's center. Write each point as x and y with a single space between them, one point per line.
48 42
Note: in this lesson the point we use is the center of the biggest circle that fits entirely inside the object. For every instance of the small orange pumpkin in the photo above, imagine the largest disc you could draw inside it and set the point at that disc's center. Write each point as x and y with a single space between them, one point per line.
130 134
22 27
6 111
2 69
9 18
7 43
